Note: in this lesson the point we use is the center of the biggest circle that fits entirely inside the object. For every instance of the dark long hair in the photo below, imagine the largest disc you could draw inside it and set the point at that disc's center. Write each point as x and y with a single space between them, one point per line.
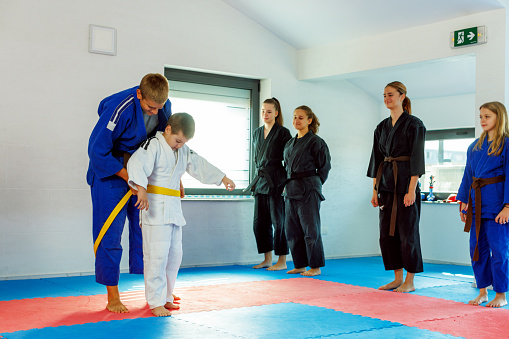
277 107
313 126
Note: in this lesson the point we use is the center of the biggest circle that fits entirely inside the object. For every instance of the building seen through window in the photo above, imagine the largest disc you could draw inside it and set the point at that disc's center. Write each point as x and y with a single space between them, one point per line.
446 156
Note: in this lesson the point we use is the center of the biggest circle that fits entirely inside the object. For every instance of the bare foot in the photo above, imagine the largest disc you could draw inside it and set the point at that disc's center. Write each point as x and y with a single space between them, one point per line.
277 267
312 272
499 301
263 264
114 303
116 306
175 298
481 298
160 311
171 306
405 287
392 285
297 270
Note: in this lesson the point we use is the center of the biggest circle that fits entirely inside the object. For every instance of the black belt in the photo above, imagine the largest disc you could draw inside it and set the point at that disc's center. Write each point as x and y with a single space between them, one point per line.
297 175
265 173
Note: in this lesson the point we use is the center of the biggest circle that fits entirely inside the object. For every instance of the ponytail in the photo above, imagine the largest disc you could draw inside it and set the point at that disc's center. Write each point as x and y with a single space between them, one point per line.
277 106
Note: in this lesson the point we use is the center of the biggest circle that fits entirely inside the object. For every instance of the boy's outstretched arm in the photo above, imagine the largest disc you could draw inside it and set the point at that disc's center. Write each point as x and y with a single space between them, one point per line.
228 183
142 202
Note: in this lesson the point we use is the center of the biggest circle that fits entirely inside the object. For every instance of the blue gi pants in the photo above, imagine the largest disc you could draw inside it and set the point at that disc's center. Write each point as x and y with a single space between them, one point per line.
106 194
491 268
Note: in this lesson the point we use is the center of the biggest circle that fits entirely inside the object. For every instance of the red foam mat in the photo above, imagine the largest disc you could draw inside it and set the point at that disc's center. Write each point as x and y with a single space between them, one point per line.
434 314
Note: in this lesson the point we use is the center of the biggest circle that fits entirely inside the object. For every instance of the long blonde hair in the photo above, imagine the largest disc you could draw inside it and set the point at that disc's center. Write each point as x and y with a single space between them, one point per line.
501 128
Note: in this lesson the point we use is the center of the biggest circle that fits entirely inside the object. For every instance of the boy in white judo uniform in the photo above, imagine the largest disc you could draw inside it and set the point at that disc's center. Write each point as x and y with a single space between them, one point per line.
157 167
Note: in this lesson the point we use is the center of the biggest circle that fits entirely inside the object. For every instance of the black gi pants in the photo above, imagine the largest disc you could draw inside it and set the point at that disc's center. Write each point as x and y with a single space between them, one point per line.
269 210
403 250
302 223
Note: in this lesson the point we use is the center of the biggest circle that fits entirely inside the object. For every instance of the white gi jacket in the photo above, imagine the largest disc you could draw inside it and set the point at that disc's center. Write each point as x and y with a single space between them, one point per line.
154 163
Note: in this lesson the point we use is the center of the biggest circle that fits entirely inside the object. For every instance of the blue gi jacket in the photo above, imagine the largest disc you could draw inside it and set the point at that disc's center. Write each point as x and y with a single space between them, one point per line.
481 165
120 127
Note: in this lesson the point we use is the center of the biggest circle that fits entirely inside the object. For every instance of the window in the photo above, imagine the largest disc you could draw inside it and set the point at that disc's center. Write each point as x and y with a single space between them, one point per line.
446 156
225 110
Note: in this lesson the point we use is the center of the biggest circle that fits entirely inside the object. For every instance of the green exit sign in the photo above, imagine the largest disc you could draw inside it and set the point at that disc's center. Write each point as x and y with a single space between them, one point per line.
468 36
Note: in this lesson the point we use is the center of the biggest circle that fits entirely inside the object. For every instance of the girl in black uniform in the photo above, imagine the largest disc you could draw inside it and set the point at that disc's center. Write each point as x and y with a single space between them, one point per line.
269 141
307 162
397 162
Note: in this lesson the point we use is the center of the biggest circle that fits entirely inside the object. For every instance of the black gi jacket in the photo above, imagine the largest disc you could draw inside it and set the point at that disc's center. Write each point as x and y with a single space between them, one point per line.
406 138
268 157
309 153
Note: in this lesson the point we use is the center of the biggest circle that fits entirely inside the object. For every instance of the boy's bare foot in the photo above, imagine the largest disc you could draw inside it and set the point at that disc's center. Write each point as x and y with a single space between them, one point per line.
297 270
481 298
312 272
405 287
499 301
277 267
392 285
160 311
171 306
175 298
263 264
114 303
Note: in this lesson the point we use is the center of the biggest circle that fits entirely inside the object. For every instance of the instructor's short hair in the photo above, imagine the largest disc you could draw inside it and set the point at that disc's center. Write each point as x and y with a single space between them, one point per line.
155 87
182 122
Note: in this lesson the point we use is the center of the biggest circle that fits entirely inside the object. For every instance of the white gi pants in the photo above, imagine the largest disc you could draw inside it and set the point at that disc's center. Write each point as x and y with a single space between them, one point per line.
162 255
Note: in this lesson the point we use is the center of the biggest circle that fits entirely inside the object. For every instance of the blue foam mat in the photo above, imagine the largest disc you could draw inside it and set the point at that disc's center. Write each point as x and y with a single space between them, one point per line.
286 320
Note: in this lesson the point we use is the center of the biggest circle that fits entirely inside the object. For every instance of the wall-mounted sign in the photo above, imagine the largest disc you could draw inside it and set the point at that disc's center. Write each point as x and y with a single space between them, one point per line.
468 36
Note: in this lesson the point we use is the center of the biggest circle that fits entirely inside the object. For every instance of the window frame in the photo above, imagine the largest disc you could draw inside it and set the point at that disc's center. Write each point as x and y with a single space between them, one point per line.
253 85
447 134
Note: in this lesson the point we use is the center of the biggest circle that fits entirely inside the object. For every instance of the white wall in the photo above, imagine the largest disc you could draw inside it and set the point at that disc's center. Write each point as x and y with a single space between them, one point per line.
457 111
51 88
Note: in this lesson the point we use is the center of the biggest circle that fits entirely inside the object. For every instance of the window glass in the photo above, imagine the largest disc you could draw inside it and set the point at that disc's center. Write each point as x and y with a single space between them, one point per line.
222 136
445 160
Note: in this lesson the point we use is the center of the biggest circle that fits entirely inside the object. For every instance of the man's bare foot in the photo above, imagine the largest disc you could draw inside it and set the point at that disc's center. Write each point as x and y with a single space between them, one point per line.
405 287
297 270
480 299
114 303
160 311
171 306
277 267
499 301
116 306
312 272
263 264
392 285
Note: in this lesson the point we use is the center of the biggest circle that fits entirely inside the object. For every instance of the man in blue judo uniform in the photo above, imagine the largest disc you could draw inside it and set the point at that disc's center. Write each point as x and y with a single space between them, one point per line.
126 119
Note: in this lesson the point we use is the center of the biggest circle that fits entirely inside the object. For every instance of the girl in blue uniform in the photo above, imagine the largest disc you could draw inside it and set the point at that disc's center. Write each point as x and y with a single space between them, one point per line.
484 197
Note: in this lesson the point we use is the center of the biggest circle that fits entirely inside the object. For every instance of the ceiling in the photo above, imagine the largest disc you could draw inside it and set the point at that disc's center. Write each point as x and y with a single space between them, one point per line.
311 23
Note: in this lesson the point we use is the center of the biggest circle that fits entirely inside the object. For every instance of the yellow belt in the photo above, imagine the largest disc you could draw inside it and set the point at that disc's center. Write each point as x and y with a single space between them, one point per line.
150 189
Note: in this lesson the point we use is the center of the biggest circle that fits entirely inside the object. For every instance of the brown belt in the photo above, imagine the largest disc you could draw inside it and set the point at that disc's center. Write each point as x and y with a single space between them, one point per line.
394 200
477 183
